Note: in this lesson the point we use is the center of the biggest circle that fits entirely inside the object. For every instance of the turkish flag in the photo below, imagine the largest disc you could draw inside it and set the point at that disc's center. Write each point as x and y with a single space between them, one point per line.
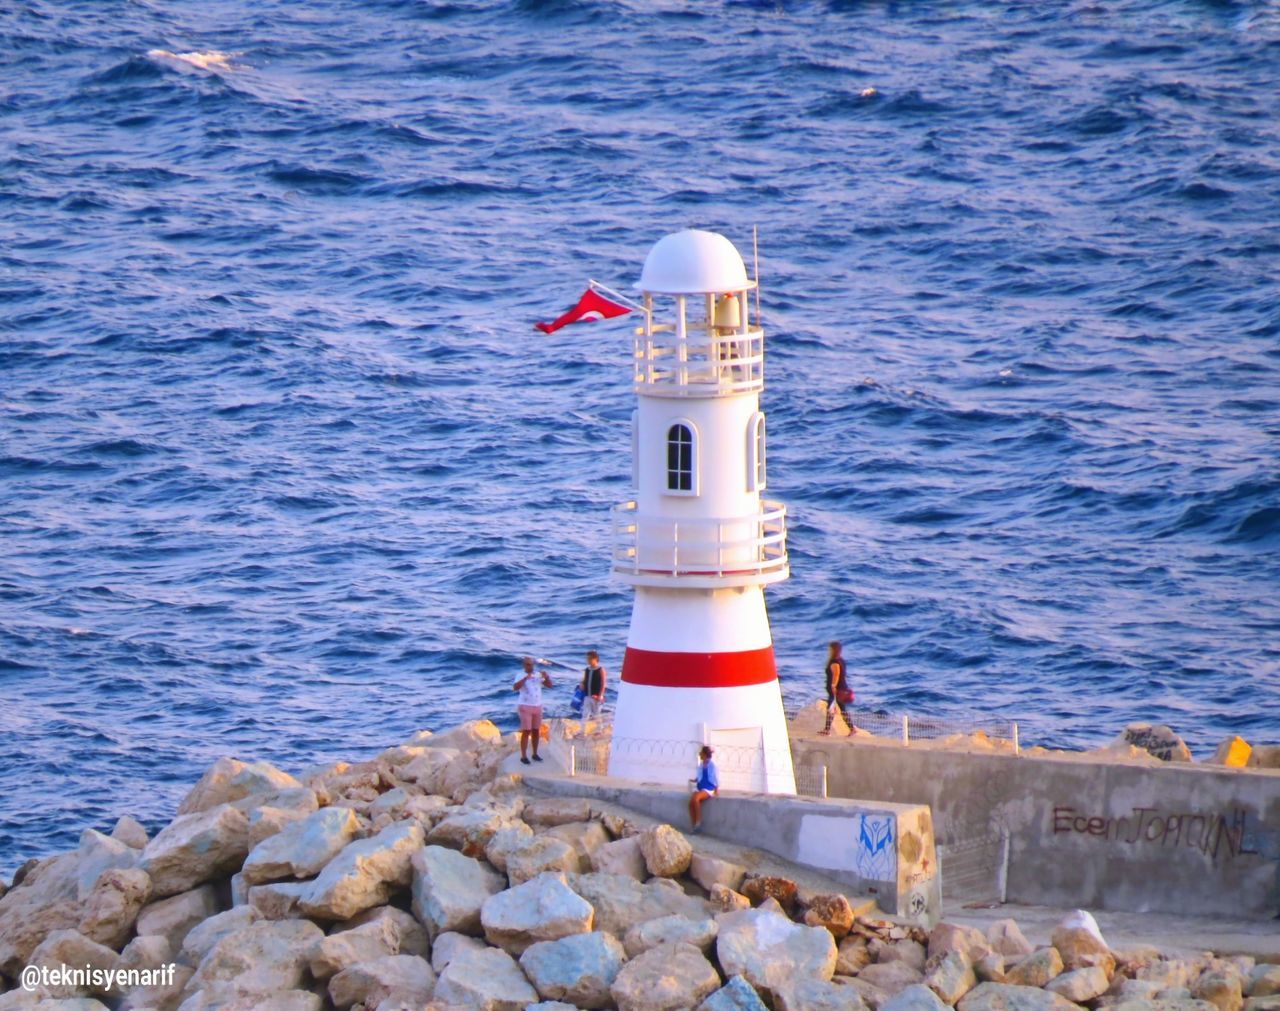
590 306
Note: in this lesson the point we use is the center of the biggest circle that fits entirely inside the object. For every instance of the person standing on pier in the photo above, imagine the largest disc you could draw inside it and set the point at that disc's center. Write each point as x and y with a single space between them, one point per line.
530 708
838 691
593 679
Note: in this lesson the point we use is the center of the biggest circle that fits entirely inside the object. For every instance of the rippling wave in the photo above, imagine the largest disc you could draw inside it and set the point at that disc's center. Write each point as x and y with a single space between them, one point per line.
286 472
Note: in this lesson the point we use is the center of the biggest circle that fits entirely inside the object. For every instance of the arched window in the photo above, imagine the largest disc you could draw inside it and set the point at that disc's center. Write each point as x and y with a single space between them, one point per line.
682 457
755 452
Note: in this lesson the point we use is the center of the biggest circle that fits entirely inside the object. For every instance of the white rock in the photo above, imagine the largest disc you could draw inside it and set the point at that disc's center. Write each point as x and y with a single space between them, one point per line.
449 890
364 874
196 848
173 917
229 780
539 855
112 908
469 829
622 856
45 902
891 977
1006 938
398 978
916 997
303 848
446 947
586 837
227 998
487 979
544 909
709 871
548 811
952 975
736 995
413 936
670 930
1007 997
425 769
506 841
98 854
71 948
202 938
468 736
330 955
665 978
148 951
817 995
667 853
769 950
1081 985
580 968
130 832
278 900
263 957
264 822
621 902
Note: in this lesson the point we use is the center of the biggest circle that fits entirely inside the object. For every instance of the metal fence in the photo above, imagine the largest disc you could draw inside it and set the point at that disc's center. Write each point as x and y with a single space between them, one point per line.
906 727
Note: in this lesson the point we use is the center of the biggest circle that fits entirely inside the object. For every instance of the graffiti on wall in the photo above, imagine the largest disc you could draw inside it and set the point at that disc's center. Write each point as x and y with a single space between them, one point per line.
1214 835
875 855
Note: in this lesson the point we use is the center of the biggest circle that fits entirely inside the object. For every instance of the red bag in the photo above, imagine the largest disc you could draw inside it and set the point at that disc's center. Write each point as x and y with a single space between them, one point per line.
844 695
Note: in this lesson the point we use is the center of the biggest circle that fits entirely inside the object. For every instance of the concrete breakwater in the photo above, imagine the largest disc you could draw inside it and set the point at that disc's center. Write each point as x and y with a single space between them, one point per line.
436 877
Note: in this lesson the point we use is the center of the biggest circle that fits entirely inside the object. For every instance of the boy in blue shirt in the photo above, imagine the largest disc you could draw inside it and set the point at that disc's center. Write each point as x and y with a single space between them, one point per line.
706 785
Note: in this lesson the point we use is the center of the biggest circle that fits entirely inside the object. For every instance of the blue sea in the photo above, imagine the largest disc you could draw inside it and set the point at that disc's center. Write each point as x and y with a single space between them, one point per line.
287 473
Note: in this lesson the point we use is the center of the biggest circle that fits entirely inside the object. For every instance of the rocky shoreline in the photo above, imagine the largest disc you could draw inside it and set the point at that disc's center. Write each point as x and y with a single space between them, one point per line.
433 877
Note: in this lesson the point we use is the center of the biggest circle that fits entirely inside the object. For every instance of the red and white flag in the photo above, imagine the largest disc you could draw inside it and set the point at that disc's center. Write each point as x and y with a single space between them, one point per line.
592 305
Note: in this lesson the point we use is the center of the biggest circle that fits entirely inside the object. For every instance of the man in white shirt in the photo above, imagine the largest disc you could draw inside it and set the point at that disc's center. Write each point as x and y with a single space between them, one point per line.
530 708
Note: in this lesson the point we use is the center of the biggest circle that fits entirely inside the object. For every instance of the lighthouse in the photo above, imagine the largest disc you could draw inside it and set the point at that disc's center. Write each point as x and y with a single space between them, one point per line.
699 542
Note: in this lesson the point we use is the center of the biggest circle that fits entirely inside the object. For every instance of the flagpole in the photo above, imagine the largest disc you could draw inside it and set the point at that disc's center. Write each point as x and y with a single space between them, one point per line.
755 252
625 300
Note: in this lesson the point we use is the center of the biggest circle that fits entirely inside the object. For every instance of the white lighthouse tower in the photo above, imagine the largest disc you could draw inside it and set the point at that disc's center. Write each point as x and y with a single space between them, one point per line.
699 543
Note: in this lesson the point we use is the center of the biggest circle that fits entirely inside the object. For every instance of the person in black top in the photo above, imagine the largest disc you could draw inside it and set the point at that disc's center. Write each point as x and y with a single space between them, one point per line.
593 679
838 691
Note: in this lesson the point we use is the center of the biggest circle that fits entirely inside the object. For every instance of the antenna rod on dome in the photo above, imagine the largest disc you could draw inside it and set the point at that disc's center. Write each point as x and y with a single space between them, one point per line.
755 253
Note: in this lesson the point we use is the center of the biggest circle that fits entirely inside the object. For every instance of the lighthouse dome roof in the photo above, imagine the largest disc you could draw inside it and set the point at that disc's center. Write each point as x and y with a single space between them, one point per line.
692 262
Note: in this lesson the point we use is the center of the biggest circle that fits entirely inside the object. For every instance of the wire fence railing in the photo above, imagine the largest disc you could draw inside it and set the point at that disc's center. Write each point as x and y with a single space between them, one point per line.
908 727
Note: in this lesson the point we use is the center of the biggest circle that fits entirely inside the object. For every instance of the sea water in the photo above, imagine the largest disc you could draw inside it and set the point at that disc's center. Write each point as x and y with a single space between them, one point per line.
287 473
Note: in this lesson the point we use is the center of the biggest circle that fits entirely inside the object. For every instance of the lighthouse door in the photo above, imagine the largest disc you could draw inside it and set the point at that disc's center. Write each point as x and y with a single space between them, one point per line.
739 757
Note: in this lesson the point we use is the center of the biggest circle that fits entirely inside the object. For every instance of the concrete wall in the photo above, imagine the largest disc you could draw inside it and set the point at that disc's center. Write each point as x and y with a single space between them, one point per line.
885 851
1169 838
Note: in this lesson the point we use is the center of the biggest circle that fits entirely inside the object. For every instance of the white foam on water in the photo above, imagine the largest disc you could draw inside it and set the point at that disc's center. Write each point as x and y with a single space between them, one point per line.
213 59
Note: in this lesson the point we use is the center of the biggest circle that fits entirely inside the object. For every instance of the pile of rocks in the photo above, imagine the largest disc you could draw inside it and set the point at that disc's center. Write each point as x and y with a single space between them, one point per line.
429 878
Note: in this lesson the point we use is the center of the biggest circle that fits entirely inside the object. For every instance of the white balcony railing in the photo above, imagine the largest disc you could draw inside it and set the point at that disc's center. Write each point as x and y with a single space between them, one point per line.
702 363
738 551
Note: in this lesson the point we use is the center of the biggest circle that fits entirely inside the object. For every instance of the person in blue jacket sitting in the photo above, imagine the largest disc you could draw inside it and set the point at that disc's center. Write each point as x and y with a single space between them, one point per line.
707 784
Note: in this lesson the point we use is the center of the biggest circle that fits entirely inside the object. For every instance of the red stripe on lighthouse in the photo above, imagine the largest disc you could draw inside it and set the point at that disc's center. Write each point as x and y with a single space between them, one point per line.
698 670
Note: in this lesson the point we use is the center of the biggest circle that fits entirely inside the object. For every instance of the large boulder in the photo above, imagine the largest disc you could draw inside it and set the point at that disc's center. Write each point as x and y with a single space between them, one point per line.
1220 987
373 940
203 937
546 812
1082 985
264 822
623 856
544 909
967 941
667 853
735 995
1035 969
130 832
817 995
450 889
394 979
1155 739
670 930
892 977
665 978
468 736
278 900
263 957
709 871
831 912
507 840
488 979
449 945
579 968
195 848
622 902
302 848
73 949
227 998
916 997
903 950
1006 938
173 916
540 854
468 829
760 887
364 874
111 908
413 936
1007 997
769 950
1080 943
950 976
586 837
46 901
98 854
229 780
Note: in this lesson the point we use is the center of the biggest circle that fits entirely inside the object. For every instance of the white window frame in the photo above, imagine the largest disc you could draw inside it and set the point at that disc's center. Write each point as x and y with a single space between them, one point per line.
692 429
756 471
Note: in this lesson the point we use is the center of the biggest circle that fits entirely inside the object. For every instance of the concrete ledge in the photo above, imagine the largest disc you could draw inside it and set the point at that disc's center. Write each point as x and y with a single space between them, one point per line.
883 850
1101 835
